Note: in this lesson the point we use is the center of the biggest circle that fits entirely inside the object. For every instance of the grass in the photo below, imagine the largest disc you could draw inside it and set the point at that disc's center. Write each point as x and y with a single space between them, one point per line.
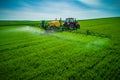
19 23
28 53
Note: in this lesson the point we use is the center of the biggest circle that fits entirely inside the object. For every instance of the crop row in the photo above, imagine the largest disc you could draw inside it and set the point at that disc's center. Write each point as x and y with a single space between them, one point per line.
58 60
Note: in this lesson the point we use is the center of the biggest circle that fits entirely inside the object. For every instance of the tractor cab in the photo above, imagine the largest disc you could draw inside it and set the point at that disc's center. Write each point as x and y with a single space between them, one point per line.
69 20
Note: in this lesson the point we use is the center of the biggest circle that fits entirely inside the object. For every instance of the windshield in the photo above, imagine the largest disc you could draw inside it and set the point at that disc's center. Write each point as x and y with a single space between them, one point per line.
70 20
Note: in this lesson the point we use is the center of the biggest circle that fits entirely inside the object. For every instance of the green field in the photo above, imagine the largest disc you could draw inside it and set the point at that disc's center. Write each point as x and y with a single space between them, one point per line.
29 53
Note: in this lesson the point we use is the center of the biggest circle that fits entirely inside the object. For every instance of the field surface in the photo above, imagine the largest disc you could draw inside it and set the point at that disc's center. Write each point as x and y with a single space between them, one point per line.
90 53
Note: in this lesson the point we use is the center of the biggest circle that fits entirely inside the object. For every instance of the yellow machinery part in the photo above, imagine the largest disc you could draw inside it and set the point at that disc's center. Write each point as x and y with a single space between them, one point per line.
55 23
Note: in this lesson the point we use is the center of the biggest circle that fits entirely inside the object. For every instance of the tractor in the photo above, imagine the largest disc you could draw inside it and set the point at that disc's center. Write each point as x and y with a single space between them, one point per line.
58 25
71 24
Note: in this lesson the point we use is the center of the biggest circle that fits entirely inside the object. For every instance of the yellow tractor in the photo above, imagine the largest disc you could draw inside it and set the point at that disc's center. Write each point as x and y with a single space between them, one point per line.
59 25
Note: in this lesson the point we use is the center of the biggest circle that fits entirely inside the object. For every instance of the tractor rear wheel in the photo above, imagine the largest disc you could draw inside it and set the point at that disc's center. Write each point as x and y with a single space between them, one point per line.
71 27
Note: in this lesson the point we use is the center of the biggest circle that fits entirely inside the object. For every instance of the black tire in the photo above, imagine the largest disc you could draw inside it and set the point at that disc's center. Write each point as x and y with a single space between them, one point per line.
65 27
71 27
78 26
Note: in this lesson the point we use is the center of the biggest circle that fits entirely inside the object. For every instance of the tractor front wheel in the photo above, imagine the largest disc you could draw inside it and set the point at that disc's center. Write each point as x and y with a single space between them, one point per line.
78 26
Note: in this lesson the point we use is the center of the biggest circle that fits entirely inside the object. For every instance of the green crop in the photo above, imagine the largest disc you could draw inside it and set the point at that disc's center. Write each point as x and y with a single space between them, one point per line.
30 53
